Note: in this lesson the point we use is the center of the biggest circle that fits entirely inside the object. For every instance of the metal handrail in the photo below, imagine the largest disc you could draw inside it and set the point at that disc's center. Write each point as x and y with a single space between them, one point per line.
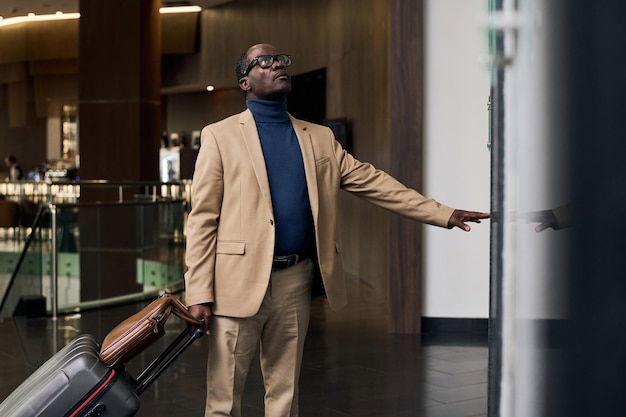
29 239
175 288
52 208
54 272
44 189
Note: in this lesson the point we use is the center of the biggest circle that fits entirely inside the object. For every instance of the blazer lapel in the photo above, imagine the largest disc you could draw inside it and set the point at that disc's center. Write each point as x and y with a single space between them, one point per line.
308 156
253 144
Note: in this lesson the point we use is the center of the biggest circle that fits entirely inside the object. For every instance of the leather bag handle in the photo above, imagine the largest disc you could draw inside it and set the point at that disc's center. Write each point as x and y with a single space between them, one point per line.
180 310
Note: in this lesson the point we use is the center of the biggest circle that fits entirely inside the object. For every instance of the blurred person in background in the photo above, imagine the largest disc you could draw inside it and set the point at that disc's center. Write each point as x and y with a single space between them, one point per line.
15 171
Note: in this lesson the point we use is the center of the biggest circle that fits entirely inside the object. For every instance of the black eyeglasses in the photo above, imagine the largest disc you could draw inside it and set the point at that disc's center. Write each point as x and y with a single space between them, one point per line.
266 61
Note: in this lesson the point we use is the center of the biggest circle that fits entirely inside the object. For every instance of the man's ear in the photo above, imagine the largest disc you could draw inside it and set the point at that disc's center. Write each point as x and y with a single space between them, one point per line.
244 84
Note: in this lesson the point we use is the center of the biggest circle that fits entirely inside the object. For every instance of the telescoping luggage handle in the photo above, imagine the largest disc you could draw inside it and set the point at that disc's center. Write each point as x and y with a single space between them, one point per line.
165 359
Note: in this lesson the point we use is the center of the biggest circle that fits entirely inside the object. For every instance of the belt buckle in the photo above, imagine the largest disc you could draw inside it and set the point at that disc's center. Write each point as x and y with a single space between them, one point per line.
285 262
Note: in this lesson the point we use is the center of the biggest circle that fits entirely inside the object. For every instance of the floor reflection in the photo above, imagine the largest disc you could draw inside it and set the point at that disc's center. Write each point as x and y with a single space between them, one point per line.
352 365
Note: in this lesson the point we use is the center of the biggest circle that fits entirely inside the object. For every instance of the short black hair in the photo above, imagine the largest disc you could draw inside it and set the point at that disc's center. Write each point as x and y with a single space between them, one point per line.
242 65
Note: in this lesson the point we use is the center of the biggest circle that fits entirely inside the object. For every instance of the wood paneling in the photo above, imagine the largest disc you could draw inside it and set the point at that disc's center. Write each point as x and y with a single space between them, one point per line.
119 95
117 48
13 47
43 40
17 94
357 73
179 32
53 67
3 97
54 39
13 72
120 117
119 141
62 87
406 107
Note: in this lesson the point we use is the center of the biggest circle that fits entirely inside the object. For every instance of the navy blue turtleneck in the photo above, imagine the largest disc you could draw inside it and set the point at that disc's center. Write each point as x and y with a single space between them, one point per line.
285 171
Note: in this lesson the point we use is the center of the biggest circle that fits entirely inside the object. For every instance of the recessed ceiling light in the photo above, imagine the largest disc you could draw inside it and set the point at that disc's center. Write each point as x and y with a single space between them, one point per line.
210 88
181 9
42 17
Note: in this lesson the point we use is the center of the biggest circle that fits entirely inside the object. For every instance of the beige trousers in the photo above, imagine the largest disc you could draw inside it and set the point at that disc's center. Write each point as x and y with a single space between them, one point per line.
280 326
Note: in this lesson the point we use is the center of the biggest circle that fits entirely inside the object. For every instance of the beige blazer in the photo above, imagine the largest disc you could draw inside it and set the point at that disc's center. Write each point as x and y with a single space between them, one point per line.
230 229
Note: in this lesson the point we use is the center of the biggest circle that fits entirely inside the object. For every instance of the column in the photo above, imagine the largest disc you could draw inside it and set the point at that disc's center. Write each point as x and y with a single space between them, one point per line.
119 118
406 134
119 95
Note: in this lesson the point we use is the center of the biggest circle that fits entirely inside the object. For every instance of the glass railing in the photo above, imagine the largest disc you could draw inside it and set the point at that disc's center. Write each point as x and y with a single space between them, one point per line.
59 255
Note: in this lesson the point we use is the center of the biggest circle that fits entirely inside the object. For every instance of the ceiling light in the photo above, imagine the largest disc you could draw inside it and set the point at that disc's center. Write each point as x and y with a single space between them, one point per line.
32 17
38 18
210 88
181 9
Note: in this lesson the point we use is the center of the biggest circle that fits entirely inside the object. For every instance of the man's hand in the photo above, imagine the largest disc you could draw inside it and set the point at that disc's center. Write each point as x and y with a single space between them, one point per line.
202 312
459 217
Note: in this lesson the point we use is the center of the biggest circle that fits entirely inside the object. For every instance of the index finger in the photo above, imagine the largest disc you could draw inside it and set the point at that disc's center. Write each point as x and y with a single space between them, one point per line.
475 215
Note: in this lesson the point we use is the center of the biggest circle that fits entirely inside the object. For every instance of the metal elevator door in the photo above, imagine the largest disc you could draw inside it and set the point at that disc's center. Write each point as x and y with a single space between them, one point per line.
529 185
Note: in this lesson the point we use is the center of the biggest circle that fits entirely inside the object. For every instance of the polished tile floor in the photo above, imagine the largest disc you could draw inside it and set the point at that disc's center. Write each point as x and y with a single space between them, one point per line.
352 366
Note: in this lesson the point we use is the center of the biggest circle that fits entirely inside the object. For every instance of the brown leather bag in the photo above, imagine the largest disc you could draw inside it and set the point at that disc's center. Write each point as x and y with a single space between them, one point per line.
140 330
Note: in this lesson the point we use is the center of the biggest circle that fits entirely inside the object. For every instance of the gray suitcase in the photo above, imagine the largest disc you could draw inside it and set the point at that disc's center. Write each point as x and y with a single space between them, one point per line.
75 383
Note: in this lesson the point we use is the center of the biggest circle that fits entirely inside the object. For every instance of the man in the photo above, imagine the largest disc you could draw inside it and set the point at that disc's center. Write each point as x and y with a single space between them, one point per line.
263 219
15 171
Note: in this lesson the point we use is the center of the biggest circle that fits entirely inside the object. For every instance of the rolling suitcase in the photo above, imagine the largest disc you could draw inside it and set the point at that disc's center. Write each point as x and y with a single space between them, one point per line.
76 382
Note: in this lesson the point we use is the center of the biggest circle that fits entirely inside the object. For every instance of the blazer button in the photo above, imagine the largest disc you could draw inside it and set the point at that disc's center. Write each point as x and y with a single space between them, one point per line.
272 222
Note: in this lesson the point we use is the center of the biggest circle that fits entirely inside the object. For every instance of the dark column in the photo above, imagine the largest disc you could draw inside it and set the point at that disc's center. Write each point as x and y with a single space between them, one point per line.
119 128
119 96
406 120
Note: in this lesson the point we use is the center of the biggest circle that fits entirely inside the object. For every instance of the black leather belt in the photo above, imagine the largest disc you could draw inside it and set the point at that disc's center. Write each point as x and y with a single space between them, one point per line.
283 262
